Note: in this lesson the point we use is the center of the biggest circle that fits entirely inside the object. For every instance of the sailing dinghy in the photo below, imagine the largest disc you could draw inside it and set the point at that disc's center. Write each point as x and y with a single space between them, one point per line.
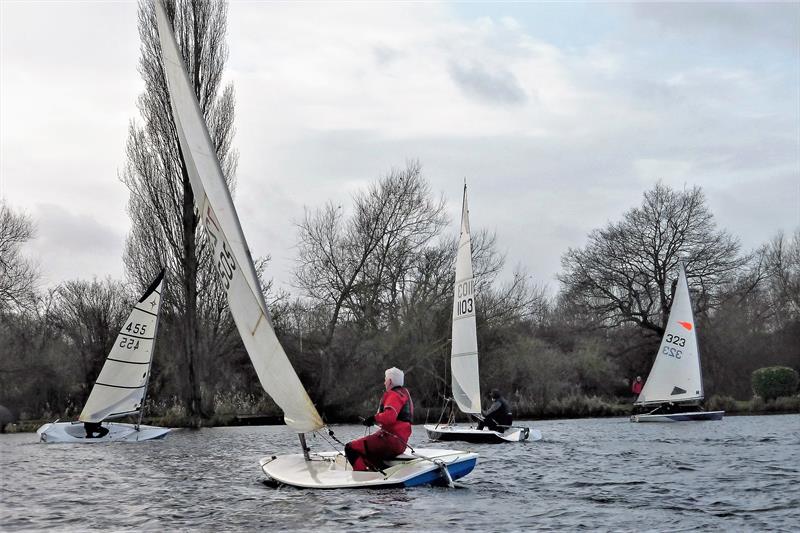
121 386
234 266
464 357
674 388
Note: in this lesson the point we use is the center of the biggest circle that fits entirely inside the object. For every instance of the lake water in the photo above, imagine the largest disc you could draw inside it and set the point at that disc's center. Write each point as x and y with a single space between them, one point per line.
740 474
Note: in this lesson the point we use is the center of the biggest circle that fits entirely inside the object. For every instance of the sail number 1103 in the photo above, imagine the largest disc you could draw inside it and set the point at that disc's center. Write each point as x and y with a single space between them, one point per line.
464 302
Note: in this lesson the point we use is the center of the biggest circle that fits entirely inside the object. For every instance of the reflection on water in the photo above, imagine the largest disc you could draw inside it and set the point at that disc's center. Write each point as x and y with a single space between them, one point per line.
740 474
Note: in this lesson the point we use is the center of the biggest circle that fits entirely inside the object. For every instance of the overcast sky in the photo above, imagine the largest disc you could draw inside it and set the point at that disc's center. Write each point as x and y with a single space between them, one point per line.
559 116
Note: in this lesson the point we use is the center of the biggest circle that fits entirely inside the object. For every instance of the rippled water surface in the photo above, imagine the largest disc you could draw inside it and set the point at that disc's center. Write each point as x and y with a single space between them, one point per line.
742 473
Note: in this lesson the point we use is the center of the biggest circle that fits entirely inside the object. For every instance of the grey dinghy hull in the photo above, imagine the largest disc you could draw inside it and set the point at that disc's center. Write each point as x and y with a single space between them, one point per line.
73 433
680 417
445 432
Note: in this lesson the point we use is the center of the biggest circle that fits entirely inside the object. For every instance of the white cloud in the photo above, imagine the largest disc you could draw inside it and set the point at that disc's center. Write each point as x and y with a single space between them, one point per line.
554 138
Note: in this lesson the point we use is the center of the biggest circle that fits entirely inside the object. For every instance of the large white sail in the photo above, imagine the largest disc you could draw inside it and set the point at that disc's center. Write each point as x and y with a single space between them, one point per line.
675 376
464 351
233 261
122 383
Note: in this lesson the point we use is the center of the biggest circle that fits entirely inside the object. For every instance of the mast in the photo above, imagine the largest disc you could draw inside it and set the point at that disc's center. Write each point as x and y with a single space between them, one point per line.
465 379
153 349
682 266
223 231
675 376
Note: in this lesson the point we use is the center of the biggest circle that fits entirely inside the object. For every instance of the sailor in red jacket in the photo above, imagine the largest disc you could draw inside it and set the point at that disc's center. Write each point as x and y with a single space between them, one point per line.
637 385
394 418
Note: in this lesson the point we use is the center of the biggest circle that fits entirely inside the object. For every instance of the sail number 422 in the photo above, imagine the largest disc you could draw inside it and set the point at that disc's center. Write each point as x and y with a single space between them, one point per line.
677 341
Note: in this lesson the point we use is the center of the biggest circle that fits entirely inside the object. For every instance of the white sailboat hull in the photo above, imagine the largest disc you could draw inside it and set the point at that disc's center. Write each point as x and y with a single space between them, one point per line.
445 432
696 416
330 470
74 433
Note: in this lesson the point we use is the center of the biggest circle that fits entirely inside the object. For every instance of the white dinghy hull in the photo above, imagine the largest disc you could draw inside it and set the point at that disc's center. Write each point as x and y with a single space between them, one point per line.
445 432
330 470
74 433
697 416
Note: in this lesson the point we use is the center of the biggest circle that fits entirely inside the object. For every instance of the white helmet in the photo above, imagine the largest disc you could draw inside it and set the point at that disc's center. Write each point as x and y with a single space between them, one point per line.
396 375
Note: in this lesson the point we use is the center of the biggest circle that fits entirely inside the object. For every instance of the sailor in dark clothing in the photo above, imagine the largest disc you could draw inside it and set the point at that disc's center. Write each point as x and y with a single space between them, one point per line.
94 427
498 417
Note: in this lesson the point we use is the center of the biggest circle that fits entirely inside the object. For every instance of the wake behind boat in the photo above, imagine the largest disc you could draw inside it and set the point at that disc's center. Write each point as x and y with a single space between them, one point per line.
121 387
236 271
464 357
674 389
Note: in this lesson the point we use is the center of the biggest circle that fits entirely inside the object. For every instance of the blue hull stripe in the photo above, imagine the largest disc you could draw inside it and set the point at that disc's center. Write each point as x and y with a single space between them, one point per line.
457 470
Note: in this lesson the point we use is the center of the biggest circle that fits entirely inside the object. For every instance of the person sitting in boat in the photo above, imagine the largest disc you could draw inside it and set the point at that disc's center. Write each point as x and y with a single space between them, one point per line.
499 416
94 427
637 385
394 418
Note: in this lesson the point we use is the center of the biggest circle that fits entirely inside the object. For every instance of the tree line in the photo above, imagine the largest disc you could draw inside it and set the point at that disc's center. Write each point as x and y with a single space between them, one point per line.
374 287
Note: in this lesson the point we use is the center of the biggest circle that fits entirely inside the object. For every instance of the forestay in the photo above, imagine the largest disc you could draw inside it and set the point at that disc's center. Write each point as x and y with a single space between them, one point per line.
122 383
233 261
675 375
464 351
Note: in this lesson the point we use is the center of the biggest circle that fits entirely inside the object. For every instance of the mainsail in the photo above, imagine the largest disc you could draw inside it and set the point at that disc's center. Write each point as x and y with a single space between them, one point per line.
675 376
121 386
464 351
233 262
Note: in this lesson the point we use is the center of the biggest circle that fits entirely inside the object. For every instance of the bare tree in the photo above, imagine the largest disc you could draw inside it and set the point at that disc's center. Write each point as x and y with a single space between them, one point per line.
626 272
358 266
783 270
161 206
18 275
90 315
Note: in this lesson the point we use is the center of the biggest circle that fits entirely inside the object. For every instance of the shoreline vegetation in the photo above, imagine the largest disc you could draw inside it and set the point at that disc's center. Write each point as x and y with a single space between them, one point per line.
383 297
239 410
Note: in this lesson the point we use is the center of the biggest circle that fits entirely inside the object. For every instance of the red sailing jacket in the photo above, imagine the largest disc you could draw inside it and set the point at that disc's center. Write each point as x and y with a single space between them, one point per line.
396 412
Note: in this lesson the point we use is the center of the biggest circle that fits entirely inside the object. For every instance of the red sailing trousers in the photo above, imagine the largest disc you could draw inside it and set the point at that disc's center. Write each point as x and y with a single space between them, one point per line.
368 453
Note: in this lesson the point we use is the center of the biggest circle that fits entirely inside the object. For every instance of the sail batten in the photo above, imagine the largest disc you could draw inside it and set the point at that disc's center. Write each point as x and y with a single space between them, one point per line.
676 375
464 350
232 258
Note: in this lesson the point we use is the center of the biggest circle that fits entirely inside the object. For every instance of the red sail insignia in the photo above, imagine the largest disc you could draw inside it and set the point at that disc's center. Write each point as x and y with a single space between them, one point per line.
687 325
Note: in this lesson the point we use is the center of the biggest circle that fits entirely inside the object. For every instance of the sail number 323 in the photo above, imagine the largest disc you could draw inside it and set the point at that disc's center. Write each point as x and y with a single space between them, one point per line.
671 350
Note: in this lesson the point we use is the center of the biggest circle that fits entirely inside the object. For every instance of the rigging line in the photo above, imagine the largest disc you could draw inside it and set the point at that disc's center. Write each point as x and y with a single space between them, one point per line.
328 442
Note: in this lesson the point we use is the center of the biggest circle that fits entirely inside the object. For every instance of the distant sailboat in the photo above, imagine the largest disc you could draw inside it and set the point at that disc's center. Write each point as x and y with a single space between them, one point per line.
675 381
234 265
464 355
121 386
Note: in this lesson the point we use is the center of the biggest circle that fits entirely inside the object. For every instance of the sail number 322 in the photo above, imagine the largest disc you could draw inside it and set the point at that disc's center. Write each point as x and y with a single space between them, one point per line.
671 350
